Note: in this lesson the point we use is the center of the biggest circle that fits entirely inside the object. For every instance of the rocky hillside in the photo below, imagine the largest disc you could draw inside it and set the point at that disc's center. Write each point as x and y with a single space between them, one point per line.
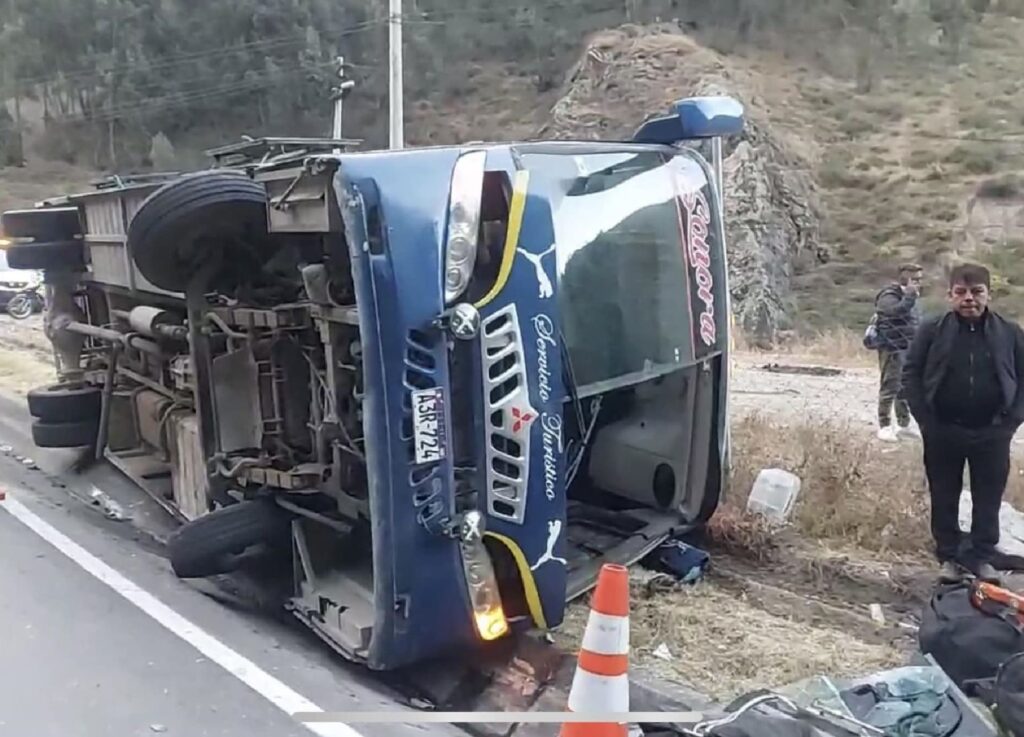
838 179
773 209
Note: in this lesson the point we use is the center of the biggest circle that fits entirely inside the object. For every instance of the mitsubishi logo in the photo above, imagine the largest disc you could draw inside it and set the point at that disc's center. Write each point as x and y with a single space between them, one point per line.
522 418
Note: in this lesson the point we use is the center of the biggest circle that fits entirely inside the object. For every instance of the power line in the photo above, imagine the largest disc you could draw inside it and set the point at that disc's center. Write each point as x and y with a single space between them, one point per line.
189 97
165 63
433 18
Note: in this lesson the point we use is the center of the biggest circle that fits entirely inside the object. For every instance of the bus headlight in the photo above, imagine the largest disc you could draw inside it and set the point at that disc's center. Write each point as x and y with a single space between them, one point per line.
488 614
463 223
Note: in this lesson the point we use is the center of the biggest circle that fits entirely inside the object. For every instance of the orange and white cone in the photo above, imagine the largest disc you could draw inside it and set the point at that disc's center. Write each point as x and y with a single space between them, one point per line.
601 682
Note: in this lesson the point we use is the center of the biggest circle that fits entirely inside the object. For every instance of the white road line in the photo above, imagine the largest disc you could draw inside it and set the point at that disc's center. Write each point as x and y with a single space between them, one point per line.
273 690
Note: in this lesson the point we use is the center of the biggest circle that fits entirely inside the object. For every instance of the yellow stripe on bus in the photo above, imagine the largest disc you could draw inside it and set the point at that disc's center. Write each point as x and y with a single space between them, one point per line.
515 226
529 585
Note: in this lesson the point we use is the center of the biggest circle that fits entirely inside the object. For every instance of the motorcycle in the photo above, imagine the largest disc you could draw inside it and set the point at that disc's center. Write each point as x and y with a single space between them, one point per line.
26 302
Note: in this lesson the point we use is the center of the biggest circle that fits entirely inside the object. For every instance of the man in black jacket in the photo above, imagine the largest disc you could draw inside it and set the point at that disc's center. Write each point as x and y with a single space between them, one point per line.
964 380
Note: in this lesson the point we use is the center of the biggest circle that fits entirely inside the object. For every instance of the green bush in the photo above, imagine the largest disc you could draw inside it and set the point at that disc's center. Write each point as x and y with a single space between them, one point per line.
977 158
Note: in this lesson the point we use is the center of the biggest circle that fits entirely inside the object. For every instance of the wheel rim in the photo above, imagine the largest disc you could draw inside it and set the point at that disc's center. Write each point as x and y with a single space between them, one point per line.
19 308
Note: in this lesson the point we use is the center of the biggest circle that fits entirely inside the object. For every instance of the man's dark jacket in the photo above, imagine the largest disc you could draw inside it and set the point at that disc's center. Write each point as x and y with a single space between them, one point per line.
897 318
928 359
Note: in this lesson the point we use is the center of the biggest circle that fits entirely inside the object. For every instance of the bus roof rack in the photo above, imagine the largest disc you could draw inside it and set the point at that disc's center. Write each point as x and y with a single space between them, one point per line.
259 150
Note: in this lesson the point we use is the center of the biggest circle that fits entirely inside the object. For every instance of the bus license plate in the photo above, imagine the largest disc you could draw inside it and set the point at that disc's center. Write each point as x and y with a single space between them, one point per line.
428 425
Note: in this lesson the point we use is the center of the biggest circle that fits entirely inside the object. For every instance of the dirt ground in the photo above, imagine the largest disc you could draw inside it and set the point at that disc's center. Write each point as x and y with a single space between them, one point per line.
777 605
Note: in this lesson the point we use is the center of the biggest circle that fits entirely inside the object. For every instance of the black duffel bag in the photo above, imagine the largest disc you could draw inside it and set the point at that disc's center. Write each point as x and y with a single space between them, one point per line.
1005 695
968 644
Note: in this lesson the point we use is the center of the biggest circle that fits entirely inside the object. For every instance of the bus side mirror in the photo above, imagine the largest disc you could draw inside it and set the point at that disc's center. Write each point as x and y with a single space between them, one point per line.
694 118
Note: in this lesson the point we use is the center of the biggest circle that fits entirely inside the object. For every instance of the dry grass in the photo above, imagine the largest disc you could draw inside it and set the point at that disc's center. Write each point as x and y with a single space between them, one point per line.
853 492
723 644
838 346
737 533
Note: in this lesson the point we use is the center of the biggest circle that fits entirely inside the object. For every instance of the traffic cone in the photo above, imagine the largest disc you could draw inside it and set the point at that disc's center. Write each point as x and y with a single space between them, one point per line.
601 682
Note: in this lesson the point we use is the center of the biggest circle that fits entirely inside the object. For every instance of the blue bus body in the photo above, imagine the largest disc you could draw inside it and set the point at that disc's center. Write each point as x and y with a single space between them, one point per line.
447 384
421 604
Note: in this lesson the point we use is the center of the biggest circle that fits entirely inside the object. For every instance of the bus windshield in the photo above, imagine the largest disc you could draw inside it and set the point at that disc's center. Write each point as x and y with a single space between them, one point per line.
623 286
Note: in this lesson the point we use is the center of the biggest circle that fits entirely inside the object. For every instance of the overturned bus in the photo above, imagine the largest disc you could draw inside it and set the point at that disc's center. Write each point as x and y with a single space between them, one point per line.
445 385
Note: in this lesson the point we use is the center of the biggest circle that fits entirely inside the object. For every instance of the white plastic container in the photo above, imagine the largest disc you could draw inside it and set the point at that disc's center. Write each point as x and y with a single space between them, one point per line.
774 494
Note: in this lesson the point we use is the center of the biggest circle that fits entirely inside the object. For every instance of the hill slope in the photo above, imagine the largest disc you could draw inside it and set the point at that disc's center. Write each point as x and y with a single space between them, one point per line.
838 180
870 143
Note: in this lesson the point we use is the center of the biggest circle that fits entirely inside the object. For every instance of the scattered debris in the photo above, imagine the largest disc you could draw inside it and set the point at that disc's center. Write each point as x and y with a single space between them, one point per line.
157 728
685 562
107 505
29 463
6 449
774 494
662 652
779 368
877 615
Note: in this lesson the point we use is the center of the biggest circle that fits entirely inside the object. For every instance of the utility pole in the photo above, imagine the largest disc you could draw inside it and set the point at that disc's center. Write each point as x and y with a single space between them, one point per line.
340 92
396 128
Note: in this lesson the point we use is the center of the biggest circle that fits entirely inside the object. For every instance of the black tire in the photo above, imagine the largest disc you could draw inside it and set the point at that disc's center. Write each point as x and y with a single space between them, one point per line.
214 543
65 434
185 223
48 256
42 224
65 403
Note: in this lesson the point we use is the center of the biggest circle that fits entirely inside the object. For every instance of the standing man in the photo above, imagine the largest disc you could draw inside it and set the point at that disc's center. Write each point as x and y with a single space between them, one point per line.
964 380
897 316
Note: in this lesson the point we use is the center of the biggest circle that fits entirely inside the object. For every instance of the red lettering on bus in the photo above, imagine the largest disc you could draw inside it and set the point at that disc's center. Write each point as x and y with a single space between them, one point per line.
698 227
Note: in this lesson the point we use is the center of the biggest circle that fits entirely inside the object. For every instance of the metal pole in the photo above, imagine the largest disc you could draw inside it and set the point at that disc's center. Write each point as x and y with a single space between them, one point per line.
396 131
342 91
716 153
339 99
727 369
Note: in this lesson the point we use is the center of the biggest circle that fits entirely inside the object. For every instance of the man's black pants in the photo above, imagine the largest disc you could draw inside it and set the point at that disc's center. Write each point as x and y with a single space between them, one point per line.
986 451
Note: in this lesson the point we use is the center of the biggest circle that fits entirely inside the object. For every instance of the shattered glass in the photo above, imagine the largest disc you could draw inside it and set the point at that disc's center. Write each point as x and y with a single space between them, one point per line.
818 692
908 701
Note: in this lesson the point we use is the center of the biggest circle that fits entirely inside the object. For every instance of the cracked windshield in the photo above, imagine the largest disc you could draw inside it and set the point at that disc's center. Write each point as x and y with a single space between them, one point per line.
598 368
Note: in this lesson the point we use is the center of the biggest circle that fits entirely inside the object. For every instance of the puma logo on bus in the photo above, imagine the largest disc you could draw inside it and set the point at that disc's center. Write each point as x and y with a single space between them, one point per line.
545 288
699 254
554 530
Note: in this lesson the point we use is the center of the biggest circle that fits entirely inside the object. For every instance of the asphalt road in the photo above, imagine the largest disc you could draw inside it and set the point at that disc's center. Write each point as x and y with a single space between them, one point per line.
99 638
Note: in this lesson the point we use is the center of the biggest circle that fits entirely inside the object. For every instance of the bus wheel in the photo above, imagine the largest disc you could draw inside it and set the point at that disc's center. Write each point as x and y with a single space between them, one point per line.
214 543
215 214
65 403
65 434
